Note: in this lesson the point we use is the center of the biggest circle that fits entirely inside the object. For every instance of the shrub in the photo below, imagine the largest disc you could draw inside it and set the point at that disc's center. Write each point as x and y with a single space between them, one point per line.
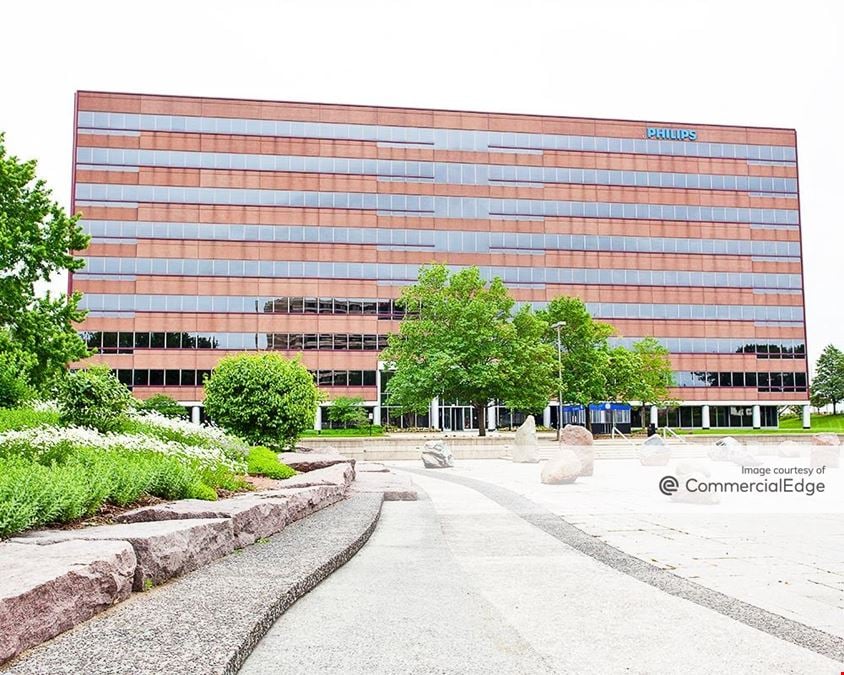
163 405
264 398
264 462
93 397
348 412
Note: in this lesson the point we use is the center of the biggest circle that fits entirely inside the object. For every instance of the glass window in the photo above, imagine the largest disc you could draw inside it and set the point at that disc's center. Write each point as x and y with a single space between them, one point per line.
172 378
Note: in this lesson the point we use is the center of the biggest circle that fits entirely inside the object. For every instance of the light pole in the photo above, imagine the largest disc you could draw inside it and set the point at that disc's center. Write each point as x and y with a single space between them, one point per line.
558 326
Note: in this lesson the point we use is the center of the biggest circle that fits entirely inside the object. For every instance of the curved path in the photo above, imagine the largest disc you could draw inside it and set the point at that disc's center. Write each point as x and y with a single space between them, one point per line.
473 580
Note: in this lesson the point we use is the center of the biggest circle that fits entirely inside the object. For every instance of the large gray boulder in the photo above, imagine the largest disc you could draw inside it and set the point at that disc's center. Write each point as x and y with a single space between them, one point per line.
731 450
46 590
525 443
437 455
581 442
654 451
564 467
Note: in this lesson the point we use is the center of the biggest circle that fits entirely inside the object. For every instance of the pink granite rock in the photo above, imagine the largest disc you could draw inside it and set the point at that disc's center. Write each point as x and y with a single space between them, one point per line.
45 590
336 474
564 467
311 461
164 549
826 439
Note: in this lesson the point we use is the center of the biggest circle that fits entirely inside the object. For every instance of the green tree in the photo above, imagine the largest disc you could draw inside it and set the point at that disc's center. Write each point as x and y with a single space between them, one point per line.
37 240
348 411
15 368
264 398
461 342
585 355
654 373
828 383
93 397
163 405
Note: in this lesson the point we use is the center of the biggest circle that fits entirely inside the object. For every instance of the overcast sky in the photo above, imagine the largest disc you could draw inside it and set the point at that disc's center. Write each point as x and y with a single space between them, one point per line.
777 63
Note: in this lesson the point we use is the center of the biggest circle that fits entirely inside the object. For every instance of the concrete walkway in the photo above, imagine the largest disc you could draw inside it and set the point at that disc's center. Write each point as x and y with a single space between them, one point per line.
461 584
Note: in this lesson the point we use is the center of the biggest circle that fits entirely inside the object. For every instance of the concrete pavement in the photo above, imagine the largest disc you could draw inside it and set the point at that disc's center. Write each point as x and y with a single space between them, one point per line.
462 584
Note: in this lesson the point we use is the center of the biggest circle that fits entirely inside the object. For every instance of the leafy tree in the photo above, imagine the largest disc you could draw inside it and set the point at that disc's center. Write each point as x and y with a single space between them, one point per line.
93 397
15 367
45 330
264 398
348 411
584 353
828 384
655 375
163 405
37 239
460 342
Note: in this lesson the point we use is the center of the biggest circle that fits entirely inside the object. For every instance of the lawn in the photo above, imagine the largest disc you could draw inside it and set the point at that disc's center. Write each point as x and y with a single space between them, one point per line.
345 433
788 425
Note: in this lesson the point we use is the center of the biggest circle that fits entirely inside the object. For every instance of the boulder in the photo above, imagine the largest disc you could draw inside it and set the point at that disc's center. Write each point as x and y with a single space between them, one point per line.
311 461
730 450
575 435
163 549
788 449
437 455
826 439
45 590
564 467
654 451
581 442
825 455
525 443
686 470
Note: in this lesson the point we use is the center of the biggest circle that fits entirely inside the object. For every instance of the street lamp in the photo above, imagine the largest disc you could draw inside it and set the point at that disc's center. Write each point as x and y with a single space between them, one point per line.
558 327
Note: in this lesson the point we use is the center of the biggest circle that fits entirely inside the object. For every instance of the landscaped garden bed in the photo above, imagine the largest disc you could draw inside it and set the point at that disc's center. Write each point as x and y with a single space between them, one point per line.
52 474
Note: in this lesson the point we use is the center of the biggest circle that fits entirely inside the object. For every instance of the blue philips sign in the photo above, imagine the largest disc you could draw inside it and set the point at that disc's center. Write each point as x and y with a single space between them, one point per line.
671 134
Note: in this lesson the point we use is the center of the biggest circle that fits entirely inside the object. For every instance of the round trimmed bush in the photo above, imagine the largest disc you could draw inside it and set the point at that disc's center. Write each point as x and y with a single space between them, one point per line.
263 398
93 397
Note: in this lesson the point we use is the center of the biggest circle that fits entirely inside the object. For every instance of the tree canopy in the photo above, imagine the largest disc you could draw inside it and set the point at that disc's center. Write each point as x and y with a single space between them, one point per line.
37 240
461 342
828 383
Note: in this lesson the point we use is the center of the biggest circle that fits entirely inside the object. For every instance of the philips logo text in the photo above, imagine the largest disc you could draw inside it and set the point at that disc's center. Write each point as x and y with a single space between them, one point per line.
671 134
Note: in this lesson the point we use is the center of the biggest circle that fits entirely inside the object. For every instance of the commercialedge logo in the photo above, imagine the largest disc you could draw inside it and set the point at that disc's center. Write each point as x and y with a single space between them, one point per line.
671 134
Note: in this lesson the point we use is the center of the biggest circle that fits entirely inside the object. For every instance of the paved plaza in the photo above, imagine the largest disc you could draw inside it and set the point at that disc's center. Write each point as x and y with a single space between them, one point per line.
470 580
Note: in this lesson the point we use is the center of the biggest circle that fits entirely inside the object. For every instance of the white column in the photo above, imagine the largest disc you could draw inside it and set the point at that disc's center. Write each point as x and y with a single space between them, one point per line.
376 414
807 417
318 419
654 415
704 415
194 414
546 417
490 416
435 413
757 417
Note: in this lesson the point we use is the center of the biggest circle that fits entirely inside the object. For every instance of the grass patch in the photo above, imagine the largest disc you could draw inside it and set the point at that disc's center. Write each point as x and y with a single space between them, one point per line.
262 461
347 433
833 424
